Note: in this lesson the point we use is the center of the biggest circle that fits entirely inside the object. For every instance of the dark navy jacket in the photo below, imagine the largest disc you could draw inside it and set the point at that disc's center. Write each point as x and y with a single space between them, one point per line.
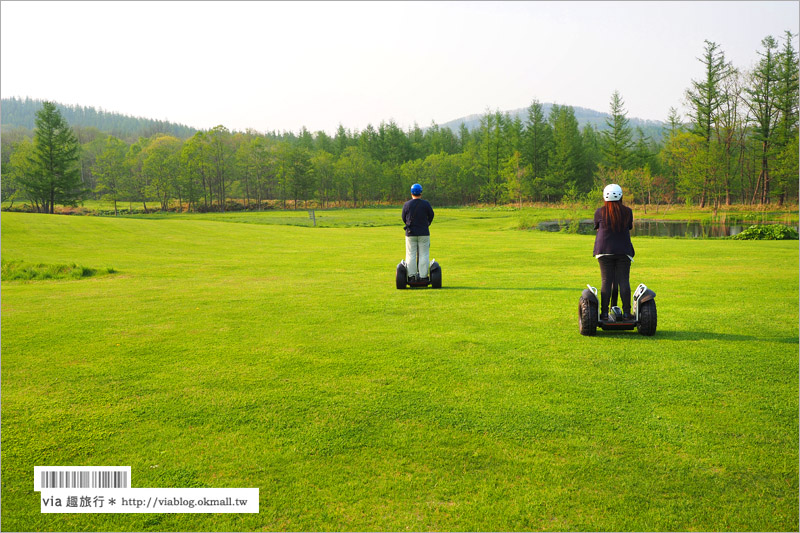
417 215
609 241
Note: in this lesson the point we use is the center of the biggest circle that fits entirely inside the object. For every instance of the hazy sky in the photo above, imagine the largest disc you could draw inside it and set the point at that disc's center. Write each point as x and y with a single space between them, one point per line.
284 65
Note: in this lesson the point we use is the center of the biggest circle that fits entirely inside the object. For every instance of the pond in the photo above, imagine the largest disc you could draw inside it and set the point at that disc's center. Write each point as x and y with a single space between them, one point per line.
663 228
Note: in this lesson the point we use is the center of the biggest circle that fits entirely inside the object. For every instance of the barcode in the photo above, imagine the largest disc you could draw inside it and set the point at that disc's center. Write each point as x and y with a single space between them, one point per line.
81 477
84 480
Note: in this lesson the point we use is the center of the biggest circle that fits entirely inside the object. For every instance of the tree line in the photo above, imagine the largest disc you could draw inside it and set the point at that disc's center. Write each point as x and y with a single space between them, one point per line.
738 144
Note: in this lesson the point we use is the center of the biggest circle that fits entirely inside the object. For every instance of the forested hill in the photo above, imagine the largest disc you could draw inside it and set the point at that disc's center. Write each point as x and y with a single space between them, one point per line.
22 113
19 112
651 128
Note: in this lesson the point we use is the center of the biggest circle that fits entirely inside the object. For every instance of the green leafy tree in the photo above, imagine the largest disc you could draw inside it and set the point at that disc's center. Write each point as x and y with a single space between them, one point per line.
641 153
418 144
137 186
341 141
686 153
730 133
283 165
301 178
161 165
265 169
494 148
469 174
370 142
514 174
19 165
323 171
352 169
463 137
196 171
91 141
305 139
323 142
592 152
244 169
55 177
397 146
412 171
440 175
220 161
111 171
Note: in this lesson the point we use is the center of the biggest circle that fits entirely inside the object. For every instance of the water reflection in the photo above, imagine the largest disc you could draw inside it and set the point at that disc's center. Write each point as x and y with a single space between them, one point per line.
662 228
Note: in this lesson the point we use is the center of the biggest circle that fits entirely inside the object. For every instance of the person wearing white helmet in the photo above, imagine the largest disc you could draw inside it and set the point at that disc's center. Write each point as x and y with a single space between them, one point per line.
417 215
613 249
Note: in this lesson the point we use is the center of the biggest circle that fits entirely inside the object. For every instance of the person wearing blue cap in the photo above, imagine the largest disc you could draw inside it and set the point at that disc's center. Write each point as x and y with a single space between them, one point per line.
417 216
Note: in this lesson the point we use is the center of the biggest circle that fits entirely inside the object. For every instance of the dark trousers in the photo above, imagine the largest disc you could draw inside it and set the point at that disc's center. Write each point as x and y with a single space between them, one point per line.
615 272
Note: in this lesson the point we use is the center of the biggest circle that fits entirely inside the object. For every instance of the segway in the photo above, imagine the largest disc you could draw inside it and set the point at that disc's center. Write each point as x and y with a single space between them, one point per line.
644 312
434 278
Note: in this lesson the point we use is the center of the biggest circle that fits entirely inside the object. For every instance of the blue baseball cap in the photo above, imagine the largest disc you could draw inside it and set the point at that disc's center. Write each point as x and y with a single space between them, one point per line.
416 189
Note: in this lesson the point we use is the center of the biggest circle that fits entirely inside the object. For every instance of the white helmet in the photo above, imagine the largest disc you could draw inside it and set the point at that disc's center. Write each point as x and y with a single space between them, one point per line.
612 193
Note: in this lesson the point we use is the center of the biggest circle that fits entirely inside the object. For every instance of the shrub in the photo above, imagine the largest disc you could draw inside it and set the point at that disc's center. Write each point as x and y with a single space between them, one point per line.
572 226
768 232
233 205
19 208
20 270
525 222
72 210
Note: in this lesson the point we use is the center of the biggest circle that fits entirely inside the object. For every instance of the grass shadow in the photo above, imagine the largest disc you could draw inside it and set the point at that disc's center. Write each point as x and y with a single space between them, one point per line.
462 288
703 335
695 336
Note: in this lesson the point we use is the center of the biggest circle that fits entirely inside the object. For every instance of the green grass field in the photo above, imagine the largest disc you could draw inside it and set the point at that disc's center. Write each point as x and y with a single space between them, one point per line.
215 353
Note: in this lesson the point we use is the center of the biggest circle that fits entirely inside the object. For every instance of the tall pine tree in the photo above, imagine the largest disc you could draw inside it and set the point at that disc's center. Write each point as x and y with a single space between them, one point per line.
55 177
763 93
617 139
786 138
566 161
705 98
537 140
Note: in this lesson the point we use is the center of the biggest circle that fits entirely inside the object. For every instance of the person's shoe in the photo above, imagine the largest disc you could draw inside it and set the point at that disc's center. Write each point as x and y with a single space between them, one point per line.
424 280
604 317
627 317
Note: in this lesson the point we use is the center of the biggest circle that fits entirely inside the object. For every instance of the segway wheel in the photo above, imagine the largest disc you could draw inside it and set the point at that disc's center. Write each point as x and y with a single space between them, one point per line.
587 317
436 278
400 278
647 318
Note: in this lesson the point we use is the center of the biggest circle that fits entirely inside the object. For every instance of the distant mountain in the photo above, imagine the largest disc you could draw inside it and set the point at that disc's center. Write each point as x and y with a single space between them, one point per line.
22 113
651 128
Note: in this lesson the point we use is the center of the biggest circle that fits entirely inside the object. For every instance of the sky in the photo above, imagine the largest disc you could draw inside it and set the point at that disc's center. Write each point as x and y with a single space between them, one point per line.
280 66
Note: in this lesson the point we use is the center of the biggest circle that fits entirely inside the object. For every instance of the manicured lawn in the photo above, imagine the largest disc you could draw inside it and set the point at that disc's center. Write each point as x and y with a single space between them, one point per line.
277 356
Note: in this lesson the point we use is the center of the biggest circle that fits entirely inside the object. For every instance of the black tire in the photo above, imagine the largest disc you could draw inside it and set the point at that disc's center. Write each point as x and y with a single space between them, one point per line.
436 278
587 317
647 318
401 277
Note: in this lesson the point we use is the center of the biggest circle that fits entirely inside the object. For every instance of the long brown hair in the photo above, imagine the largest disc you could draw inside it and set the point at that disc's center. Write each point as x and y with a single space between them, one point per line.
614 216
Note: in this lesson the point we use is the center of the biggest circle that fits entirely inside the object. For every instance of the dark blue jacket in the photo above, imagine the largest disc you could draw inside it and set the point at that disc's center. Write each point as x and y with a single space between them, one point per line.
608 241
417 215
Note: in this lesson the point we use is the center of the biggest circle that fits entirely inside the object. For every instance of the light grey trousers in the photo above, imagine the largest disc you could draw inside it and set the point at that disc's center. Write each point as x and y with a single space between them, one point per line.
418 253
